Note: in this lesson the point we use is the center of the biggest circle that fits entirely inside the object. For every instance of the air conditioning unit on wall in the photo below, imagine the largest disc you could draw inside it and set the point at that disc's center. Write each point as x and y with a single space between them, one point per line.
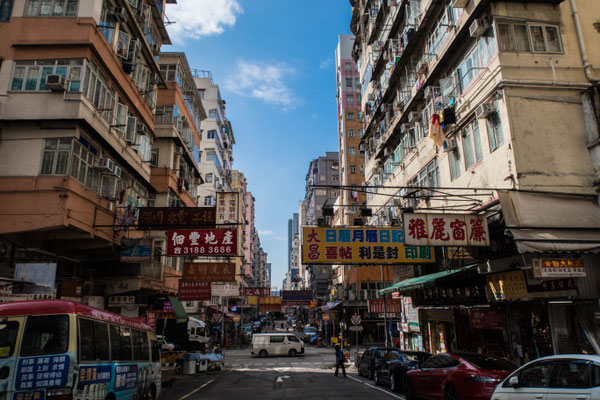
478 27
483 110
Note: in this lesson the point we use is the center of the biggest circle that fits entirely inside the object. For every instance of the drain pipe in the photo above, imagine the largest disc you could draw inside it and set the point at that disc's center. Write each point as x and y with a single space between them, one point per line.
587 67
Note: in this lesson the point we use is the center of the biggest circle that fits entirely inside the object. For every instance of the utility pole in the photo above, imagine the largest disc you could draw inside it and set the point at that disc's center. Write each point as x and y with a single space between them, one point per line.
385 331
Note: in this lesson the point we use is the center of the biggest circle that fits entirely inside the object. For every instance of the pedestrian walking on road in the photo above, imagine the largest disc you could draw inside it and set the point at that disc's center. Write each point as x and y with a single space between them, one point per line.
339 360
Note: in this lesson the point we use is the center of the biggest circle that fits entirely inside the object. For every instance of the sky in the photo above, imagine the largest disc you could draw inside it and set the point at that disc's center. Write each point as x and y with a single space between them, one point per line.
274 61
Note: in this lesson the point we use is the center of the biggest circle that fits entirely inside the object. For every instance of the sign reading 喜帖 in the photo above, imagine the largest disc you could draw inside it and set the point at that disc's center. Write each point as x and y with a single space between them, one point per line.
193 291
202 242
227 207
558 267
209 272
360 245
446 230
159 218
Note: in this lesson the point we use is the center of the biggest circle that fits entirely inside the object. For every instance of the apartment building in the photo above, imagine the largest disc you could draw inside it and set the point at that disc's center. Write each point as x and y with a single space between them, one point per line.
249 232
480 107
217 141
78 90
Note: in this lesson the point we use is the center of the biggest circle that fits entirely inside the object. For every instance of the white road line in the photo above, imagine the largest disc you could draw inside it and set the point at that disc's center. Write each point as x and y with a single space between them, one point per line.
375 387
194 391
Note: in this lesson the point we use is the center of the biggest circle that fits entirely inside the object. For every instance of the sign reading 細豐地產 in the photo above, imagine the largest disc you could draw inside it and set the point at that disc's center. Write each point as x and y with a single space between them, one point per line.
159 218
360 245
227 207
446 230
209 272
202 242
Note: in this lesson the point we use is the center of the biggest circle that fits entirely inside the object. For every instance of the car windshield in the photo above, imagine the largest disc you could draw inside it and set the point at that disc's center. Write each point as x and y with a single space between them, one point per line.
488 362
393 355
416 357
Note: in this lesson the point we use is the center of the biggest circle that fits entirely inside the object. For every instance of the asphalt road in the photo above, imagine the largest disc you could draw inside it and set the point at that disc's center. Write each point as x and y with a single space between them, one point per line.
304 377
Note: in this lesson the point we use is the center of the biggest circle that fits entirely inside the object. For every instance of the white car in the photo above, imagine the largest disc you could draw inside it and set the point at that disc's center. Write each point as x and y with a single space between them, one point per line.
565 376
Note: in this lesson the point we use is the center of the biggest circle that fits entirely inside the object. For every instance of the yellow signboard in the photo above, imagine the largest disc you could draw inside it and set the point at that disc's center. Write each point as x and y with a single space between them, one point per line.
509 285
360 245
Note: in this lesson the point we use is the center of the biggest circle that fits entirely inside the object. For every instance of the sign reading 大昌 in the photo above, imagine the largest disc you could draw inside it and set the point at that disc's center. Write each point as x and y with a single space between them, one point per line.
360 245
446 230
202 242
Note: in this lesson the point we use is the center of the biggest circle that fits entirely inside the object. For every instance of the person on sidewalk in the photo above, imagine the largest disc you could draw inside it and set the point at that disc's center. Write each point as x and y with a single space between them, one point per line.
339 360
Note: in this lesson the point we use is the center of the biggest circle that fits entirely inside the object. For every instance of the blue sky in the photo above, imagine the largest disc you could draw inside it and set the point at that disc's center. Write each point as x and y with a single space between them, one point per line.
274 62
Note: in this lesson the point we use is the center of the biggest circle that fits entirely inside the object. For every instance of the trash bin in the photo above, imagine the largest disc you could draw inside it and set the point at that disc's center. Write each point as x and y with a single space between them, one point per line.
189 367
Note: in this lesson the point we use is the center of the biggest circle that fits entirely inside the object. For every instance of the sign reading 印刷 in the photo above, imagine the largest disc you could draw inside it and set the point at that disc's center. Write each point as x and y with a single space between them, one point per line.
360 245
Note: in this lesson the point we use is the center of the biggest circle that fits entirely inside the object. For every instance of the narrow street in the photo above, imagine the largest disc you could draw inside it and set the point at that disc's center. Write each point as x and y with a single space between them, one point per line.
305 377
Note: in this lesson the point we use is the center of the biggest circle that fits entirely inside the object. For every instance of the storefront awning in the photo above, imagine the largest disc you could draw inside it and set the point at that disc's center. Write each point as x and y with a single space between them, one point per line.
330 305
180 313
542 223
420 281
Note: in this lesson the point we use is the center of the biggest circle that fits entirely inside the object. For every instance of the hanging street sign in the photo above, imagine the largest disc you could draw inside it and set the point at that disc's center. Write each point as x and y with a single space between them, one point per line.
356 319
161 218
209 272
202 242
446 230
356 328
227 207
194 291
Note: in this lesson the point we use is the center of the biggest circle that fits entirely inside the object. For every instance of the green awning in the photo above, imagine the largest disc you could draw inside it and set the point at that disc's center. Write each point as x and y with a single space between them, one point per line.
421 281
180 313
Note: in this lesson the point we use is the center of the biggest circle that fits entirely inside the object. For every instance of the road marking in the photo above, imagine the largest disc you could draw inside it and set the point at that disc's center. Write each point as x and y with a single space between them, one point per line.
194 391
375 387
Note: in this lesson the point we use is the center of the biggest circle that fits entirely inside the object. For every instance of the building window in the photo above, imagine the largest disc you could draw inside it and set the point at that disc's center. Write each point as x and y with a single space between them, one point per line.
454 159
55 160
31 75
348 67
360 133
349 82
494 130
211 134
352 151
5 10
208 200
472 144
530 37
350 115
352 168
82 165
212 113
169 72
357 82
358 99
51 8
351 133
362 169
208 178
201 93
210 155
349 99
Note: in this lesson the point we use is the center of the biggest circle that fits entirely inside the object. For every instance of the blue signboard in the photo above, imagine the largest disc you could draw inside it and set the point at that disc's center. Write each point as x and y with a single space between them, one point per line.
32 395
90 374
140 252
125 376
44 371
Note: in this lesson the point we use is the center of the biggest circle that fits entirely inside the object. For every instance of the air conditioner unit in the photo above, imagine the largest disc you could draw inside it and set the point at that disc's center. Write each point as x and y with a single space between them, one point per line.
450 144
414 116
483 110
431 92
105 164
109 187
120 14
422 67
478 27
56 83
117 171
141 128
130 129
460 3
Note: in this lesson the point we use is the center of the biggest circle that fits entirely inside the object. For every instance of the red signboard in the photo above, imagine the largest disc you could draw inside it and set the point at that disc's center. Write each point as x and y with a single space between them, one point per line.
257 291
192 291
151 319
202 242
162 218
270 307
485 319
391 306
209 272
294 303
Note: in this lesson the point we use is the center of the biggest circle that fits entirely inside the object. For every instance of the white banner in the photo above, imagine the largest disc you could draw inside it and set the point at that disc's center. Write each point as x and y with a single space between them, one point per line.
120 301
446 230
225 290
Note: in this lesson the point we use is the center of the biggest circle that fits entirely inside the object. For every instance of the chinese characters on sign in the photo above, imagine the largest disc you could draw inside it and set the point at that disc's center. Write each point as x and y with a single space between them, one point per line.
168 307
509 285
140 252
225 290
91 374
161 218
227 207
297 295
125 376
558 267
269 300
446 230
220 242
209 272
192 291
120 301
353 245
391 306
38 372
260 292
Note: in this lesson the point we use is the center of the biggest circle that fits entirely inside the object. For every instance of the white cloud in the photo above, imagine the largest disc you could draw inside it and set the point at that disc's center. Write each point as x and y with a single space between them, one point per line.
263 81
266 232
324 64
197 18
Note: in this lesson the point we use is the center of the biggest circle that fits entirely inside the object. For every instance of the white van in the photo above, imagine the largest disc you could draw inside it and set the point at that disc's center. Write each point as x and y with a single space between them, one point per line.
276 344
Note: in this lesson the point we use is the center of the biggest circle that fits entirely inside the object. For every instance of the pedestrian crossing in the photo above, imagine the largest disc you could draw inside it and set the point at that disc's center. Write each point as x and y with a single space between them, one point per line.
276 365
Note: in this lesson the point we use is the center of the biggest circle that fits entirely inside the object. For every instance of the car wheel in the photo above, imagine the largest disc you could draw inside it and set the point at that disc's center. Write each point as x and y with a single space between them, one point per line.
371 374
293 353
408 389
450 393
393 382
263 353
376 377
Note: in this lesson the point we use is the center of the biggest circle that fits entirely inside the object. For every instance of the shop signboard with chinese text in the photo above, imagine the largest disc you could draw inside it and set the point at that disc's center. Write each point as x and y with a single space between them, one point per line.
194 291
139 252
411 315
360 245
297 295
269 300
162 218
446 230
168 307
258 291
510 285
121 301
227 207
391 306
209 272
151 318
270 307
558 267
486 319
225 290
202 242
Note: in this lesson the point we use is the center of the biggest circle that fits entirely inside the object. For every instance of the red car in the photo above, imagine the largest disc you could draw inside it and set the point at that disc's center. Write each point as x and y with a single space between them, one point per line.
457 376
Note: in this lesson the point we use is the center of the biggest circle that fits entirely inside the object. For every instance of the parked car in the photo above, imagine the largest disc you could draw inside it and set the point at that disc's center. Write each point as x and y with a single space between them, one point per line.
276 344
165 345
308 332
572 376
457 376
392 371
371 359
